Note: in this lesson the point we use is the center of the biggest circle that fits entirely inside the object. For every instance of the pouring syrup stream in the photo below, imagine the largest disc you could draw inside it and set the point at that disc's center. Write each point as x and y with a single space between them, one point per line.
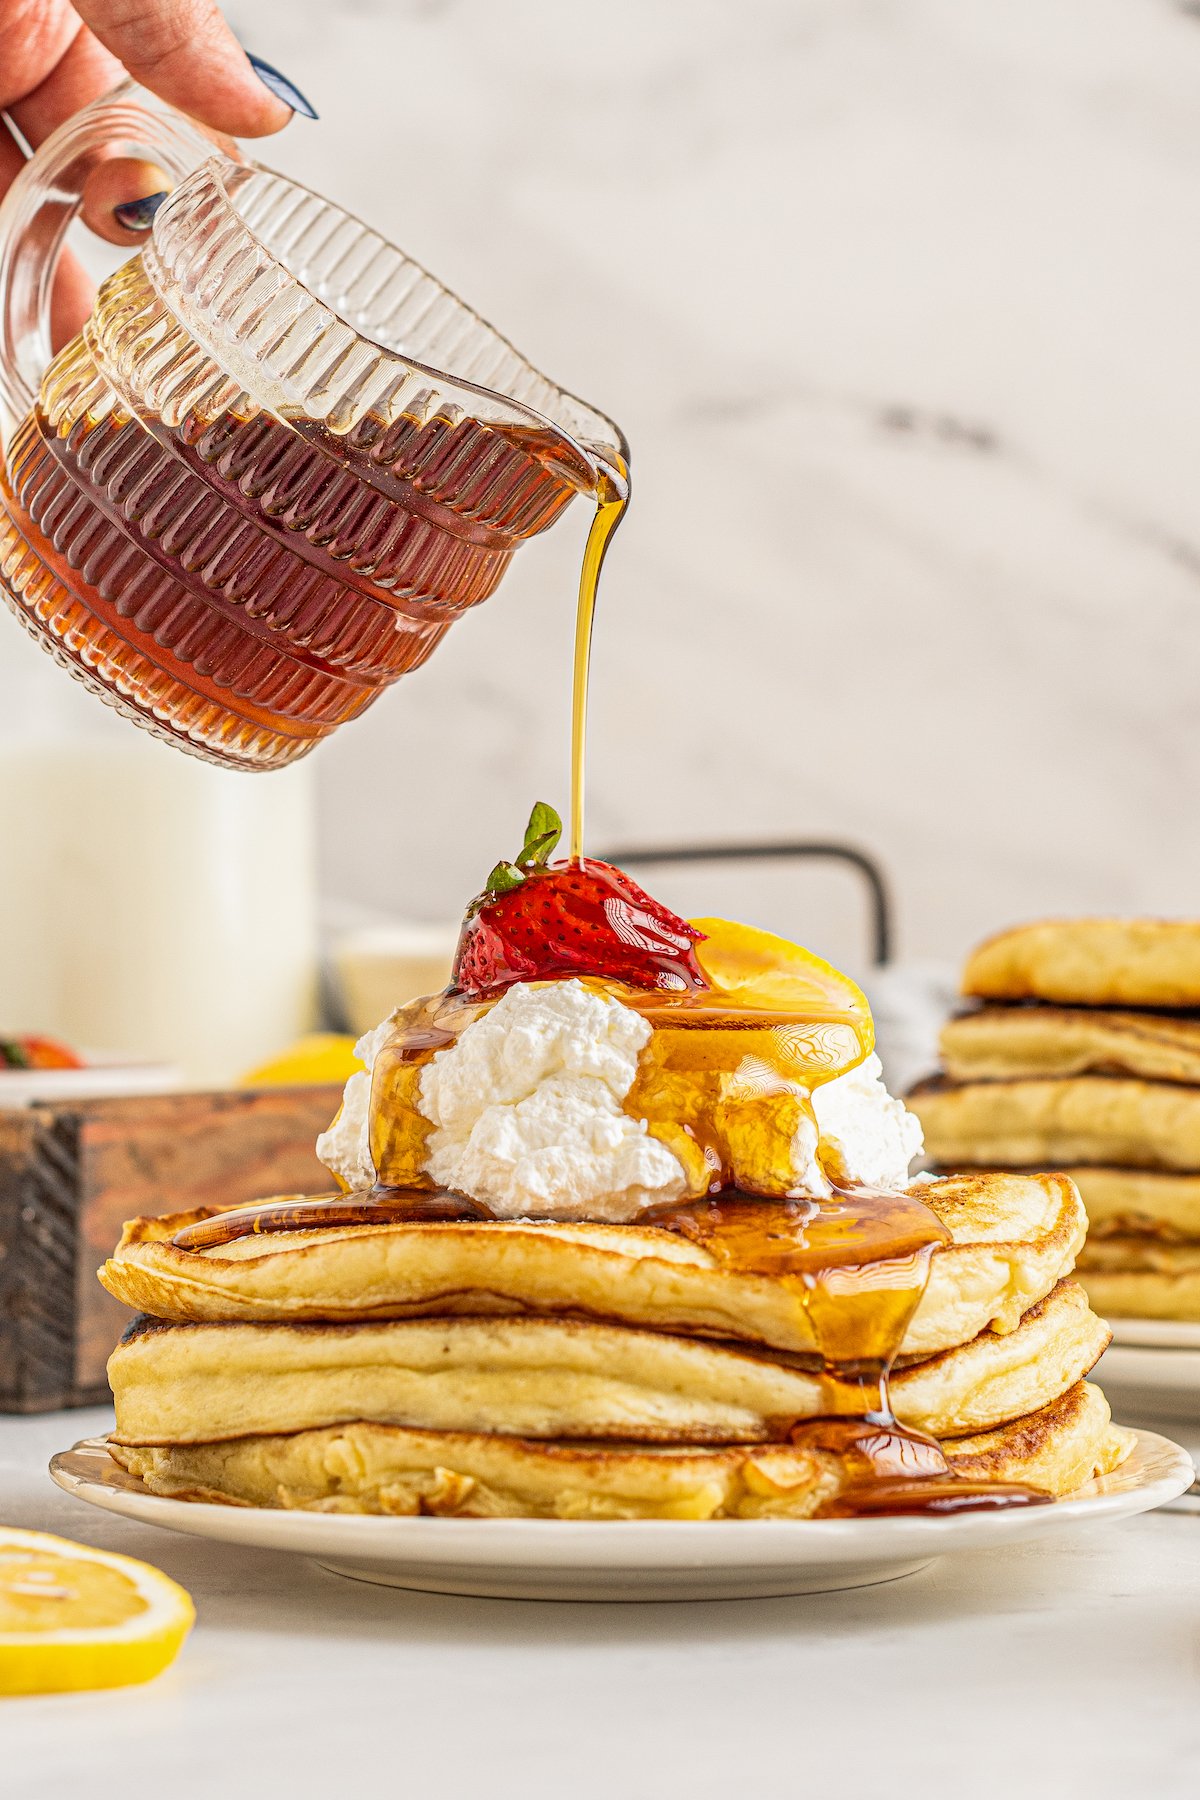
612 499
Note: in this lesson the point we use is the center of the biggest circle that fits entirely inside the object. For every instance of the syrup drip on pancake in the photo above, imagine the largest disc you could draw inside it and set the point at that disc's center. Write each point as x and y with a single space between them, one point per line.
858 1265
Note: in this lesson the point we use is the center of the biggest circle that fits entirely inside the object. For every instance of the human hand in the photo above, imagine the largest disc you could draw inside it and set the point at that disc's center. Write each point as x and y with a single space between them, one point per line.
57 55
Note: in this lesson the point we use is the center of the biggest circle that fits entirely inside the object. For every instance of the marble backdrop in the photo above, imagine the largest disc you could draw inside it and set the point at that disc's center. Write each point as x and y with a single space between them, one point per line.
898 302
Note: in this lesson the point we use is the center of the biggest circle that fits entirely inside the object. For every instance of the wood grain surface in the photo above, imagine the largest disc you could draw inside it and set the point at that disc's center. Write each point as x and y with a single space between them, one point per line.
71 1176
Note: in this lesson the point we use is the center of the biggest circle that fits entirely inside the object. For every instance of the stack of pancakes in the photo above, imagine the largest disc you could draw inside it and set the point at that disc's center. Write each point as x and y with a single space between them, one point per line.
580 1370
1085 1055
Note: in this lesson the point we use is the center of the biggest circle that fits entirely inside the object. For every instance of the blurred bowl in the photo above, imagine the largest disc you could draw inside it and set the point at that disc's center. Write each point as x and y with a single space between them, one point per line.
379 967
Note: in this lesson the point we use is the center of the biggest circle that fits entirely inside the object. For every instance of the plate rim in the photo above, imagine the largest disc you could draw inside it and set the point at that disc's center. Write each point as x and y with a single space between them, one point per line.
667 1544
1155 1334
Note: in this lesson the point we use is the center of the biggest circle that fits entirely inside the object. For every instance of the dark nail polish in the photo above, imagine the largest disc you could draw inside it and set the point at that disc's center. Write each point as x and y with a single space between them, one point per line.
281 87
138 215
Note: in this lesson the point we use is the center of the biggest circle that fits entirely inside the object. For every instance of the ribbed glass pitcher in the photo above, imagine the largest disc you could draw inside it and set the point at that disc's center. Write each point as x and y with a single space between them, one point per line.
276 464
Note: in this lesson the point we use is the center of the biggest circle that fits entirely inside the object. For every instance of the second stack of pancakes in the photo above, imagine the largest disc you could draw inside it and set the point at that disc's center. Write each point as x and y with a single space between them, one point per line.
1081 1051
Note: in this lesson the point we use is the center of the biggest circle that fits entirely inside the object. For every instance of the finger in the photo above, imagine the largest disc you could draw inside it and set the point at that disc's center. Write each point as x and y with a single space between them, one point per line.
81 73
36 36
121 197
85 71
185 52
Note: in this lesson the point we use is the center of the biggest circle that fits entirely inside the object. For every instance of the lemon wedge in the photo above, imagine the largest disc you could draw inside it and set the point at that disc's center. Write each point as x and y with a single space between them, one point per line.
322 1056
73 1617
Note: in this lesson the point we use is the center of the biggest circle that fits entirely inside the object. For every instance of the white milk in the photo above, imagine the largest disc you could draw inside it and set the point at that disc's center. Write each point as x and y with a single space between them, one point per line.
150 904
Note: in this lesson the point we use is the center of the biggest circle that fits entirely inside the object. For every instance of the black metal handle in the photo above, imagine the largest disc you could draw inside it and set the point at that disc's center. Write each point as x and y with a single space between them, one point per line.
864 865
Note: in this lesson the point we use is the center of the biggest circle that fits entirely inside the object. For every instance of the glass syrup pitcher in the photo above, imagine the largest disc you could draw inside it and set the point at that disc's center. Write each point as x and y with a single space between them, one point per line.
278 461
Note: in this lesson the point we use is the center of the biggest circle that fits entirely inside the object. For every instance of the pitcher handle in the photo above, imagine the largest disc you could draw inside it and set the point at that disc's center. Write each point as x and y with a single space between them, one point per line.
44 200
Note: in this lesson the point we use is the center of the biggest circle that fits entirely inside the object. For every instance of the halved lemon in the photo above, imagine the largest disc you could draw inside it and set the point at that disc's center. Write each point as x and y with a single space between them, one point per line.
322 1056
74 1617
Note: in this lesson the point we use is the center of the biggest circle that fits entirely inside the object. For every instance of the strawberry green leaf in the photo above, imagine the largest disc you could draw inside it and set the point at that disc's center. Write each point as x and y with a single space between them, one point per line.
503 879
541 834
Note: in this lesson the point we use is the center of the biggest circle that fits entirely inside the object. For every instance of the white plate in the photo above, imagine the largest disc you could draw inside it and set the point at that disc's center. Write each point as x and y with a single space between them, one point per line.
1157 1334
1146 1383
104 1076
1153 1367
651 1559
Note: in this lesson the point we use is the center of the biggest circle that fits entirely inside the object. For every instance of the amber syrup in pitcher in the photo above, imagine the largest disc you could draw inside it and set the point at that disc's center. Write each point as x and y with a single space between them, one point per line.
247 582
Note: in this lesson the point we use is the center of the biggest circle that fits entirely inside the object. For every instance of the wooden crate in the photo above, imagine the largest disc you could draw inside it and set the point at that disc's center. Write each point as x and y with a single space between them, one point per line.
71 1175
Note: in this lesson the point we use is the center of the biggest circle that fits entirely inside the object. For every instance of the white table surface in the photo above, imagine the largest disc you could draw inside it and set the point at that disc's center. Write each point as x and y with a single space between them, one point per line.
1070 1669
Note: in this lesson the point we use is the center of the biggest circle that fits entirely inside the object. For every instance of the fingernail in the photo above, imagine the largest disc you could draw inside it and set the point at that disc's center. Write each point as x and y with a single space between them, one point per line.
138 215
281 87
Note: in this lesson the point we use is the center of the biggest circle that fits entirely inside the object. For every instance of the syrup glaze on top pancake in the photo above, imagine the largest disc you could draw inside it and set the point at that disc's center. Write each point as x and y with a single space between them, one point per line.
1013 1237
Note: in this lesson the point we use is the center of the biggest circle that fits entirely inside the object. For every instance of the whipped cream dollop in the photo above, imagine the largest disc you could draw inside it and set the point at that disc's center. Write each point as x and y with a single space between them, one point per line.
528 1117
867 1136
527 1109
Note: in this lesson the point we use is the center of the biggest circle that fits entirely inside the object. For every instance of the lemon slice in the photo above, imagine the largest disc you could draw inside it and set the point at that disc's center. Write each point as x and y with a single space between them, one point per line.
756 968
322 1056
74 1617
831 1028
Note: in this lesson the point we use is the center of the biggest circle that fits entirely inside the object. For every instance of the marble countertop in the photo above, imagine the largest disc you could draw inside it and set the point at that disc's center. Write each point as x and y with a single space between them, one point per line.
1058 1669
896 301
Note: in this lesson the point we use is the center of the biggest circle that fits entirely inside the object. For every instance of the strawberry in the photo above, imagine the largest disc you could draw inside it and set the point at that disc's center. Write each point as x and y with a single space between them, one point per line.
37 1053
537 921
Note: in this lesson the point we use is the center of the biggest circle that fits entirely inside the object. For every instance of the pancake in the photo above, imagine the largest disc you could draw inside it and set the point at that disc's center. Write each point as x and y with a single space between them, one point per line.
1015 1237
1091 962
1058 1448
367 1468
554 1378
1139 1202
1082 1119
1005 1041
1142 1278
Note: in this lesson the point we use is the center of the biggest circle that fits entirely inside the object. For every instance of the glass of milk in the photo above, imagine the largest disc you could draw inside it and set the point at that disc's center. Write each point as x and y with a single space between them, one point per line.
150 904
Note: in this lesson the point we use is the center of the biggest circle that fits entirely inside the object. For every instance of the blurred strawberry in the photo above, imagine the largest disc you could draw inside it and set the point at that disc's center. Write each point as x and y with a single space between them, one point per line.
37 1053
